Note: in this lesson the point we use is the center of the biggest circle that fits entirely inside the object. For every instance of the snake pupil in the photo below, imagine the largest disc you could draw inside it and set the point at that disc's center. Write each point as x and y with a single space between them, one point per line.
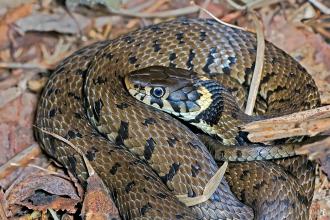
158 92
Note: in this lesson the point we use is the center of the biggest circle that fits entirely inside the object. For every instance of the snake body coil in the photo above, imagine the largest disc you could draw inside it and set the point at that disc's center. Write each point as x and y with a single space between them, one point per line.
144 156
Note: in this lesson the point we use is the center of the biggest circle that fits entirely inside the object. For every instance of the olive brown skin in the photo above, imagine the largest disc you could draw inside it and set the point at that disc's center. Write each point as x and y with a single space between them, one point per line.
146 157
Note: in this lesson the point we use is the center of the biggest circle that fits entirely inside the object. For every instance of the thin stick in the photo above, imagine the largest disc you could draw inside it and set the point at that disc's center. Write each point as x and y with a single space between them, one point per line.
254 87
305 123
163 14
22 66
320 6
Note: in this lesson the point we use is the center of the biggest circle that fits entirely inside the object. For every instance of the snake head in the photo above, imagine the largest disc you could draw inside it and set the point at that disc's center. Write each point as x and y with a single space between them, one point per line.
172 90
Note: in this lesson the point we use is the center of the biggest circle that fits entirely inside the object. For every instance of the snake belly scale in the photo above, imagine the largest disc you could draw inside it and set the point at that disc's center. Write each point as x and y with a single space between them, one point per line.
146 157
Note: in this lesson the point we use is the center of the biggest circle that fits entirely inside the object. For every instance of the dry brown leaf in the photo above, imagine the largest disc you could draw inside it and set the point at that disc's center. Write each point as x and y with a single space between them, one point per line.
10 17
40 192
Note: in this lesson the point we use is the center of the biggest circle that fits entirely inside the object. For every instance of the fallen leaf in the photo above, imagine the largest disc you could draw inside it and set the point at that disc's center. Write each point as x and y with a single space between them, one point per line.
60 22
43 191
10 17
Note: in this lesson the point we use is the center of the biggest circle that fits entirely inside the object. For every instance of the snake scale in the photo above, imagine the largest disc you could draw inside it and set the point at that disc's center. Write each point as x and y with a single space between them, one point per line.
145 156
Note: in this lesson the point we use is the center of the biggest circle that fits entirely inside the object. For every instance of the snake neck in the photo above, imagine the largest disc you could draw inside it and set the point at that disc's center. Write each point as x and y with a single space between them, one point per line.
222 117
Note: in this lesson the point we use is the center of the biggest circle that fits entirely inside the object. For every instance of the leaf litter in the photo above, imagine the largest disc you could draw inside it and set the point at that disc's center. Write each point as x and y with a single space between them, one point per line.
30 50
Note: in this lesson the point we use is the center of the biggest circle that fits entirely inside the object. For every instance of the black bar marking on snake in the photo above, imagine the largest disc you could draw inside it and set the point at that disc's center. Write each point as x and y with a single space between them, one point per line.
72 163
145 208
82 72
122 133
129 186
114 168
245 173
75 96
302 198
97 107
122 105
202 35
209 60
179 216
232 60
195 169
100 80
149 148
172 56
128 39
155 28
156 46
267 77
179 37
90 154
191 57
161 195
132 60
52 112
73 134
171 173
49 91
77 115
226 70
258 186
172 141
149 121
109 56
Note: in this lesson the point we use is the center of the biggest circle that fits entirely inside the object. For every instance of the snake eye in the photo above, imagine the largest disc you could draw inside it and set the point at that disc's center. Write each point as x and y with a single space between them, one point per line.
158 92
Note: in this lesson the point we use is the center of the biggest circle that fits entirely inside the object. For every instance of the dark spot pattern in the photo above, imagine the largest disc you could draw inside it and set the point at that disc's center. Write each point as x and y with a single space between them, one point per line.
191 57
132 60
72 163
179 37
145 208
122 133
73 95
149 148
156 46
114 168
171 173
209 60
172 141
149 121
52 112
72 134
97 107
202 35
129 186
195 169
100 80
91 153
122 105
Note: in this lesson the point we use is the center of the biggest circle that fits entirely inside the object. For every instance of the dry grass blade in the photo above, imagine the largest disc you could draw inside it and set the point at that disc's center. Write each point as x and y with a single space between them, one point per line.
209 189
88 165
258 66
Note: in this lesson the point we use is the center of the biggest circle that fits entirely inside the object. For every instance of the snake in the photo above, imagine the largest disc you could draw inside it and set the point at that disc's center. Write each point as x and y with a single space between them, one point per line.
145 156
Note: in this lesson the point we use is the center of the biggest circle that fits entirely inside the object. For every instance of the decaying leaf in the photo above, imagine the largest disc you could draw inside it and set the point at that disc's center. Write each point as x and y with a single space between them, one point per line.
43 191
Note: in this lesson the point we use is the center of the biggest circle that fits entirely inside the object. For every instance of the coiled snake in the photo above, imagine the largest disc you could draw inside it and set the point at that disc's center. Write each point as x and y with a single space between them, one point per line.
145 156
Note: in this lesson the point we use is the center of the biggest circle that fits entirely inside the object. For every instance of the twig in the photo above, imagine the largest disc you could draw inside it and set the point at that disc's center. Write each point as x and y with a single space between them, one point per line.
320 6
21 159
163 14
254 87
22 66
310 123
